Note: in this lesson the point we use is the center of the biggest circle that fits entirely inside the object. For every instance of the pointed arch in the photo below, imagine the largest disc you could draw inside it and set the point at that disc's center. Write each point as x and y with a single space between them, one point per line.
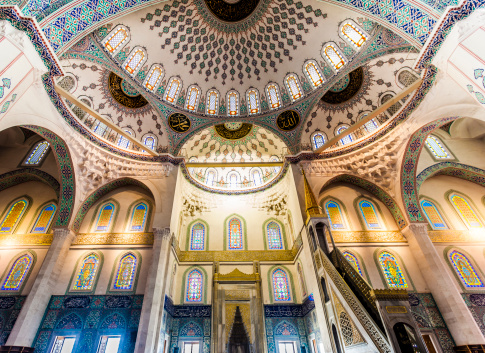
126 270
333 209
197 236
44 218
392 270
285 328
194 285
235 233
463 268
17 272
370 215
37 154
105 216
135 60
353 34
139 216
191 329
116 39
280 284
24 175
313 73
354 261
274 235
333 56
433 215
465 209
13 214
86 272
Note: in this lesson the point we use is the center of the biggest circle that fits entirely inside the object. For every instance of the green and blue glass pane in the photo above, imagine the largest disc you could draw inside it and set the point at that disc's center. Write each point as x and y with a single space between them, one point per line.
17 273
104 218
281 288
353 261
466 212
465 270
392 271
44 219
273 232
125 274
318 141
433 216
13 216
197 237
87 273
369 214
335 215
435 146
139 217
194 286
235 235
38 153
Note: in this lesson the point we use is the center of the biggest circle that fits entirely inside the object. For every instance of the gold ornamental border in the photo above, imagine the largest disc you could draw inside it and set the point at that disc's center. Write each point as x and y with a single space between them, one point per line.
368 237
25 239
114 239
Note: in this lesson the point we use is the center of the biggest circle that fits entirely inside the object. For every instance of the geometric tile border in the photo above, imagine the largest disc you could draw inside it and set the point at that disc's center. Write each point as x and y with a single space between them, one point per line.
24 175
457 170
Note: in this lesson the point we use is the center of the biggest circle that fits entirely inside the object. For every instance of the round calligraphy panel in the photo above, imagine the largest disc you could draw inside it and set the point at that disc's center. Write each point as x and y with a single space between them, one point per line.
178 122
288 120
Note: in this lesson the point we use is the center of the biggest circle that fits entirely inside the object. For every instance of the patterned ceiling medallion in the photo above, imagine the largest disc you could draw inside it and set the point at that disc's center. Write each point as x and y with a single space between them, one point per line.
232 11
233 131
178 122
346 88
124 93
288 120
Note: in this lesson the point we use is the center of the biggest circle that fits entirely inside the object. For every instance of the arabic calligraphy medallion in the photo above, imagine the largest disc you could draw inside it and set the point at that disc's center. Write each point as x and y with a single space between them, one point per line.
178 122
288 120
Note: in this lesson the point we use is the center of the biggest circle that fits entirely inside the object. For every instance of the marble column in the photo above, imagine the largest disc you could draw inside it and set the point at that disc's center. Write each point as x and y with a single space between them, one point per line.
148 337
30 317
445 291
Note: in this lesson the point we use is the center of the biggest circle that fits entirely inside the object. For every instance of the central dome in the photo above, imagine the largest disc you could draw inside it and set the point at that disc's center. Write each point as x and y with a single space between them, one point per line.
232 10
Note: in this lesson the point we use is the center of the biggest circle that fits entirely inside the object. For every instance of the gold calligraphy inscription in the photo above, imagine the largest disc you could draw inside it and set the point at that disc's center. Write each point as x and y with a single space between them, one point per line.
178 122
288 120
396 309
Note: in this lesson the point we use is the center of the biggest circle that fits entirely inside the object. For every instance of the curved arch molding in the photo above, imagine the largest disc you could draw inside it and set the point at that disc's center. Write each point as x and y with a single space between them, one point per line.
24 175
457 170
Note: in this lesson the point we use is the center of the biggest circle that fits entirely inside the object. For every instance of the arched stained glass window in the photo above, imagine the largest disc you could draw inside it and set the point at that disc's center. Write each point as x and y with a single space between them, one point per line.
369 215
105 217
318 140
192 98
335 215
433 215
435 146
466 212
302 280
212 102
392 271
233 180
37 153
465 270
406 78
257 177
353 261
139 217
353 34
194 286
334 57
13 216
235 234
87 273
150 142
123 142
100 129
44 219
281 286
293 87
273 234
211 176
153 78
17 273
344 140
233 103
116 39
125 274
253 101
313 74
197 237
135 60
273 96
172 91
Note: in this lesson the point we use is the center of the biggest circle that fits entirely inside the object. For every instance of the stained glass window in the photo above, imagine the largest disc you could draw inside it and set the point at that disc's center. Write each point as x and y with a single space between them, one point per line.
281 286
116 39
134 61
318 140
123 142
211 176
13 216
406 78
212 102
87 273
44 219
100 129
139 217
334 57
104 218
192 98
17 273
334 214
354 34
369 214
253 101
194 286
233 103
465 270
172 90
436 148
371 126
344 140
392 271
353 261
37 154
235 234
433 215
233 180
197 237
302 280
273 233
273 96
466 212
125 274
153 78
257 178
314 74
150 142
293 87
